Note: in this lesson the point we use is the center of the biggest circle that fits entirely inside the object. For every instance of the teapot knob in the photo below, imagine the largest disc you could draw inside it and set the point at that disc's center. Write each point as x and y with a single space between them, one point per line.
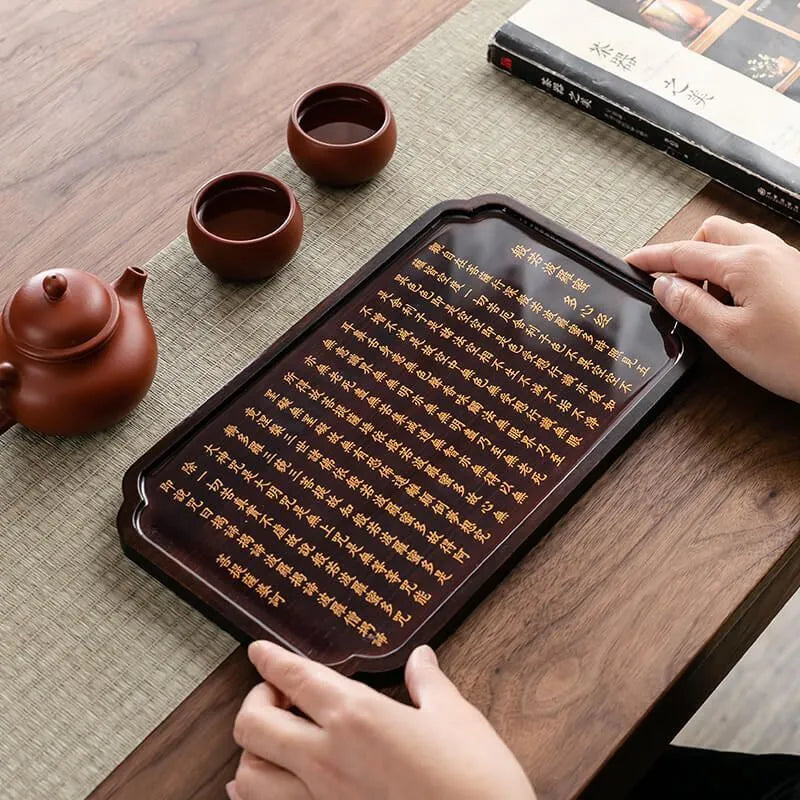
54 285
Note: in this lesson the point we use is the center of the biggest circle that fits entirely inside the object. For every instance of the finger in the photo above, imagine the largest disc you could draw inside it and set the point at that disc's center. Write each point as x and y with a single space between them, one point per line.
274 734
723 230
257 779
427 685
273 696
313 688
230 790
269 695
696 309
720 230
690 259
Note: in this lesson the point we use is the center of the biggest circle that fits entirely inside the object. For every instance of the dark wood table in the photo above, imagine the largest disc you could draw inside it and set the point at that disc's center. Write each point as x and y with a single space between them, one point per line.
605 639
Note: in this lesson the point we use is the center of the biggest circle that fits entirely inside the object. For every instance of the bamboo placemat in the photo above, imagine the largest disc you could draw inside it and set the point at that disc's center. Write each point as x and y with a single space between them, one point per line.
93 652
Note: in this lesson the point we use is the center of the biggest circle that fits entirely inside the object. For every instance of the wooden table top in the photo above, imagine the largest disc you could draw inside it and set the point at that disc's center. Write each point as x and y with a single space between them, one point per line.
605 639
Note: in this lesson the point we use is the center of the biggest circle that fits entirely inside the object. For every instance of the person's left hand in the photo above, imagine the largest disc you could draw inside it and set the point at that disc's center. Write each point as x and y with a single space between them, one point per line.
358 744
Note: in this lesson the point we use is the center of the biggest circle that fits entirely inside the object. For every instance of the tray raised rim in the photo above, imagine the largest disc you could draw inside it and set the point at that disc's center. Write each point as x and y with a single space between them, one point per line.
495 565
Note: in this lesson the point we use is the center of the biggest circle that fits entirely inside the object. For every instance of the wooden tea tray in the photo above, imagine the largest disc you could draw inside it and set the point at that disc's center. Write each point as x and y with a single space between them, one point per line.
357 488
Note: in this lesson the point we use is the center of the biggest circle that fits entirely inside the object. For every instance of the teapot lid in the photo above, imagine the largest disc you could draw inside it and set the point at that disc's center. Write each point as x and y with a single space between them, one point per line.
61 314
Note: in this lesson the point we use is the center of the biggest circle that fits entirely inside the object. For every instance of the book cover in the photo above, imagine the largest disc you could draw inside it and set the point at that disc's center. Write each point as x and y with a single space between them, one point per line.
713 83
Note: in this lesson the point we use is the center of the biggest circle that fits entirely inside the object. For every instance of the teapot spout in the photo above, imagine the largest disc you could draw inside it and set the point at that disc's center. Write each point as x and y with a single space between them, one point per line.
130 284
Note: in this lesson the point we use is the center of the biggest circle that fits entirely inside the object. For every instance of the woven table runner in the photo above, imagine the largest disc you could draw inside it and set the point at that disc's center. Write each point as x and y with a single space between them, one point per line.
93 652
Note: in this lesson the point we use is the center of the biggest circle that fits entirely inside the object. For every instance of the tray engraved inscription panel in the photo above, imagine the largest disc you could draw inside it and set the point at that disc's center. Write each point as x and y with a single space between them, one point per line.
352 490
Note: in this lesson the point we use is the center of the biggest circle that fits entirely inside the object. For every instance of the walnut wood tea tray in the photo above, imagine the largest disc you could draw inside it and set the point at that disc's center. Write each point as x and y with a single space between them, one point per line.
356 489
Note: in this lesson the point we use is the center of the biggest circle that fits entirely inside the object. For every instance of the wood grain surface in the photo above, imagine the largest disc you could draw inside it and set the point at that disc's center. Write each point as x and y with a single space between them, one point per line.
113 113
602 642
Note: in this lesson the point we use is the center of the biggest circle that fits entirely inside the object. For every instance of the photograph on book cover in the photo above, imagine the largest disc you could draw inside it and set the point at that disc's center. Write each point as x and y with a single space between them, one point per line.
780 11
760 41
678 19
759 52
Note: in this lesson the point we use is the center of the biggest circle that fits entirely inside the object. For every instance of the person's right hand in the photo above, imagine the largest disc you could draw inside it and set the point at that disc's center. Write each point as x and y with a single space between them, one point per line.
760 334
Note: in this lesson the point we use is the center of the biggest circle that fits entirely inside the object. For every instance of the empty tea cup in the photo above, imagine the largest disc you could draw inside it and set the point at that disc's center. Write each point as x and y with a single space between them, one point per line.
245 225
341 134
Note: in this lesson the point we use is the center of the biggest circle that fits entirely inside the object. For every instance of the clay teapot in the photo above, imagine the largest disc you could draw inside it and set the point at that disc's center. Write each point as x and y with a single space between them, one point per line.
76 354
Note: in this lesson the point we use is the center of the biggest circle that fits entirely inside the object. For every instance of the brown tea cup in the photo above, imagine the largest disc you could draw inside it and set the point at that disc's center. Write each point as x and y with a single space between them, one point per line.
244 225
341 134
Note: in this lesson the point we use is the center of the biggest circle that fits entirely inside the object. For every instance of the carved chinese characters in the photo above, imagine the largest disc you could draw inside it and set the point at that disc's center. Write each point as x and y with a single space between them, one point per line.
350 495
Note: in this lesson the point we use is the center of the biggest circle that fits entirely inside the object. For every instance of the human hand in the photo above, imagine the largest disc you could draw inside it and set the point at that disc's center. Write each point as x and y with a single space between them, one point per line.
358 744
760 334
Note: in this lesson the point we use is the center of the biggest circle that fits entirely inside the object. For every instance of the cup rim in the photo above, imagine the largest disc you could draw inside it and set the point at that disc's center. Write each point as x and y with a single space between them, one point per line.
387 113
261 177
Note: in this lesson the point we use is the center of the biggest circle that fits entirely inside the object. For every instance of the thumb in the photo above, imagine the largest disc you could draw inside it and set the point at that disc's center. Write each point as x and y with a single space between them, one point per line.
694 307
427 685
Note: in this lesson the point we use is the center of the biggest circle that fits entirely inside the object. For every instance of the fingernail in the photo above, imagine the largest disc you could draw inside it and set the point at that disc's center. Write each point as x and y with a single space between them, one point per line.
631 255
258 650
665 288
230 790
426 653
